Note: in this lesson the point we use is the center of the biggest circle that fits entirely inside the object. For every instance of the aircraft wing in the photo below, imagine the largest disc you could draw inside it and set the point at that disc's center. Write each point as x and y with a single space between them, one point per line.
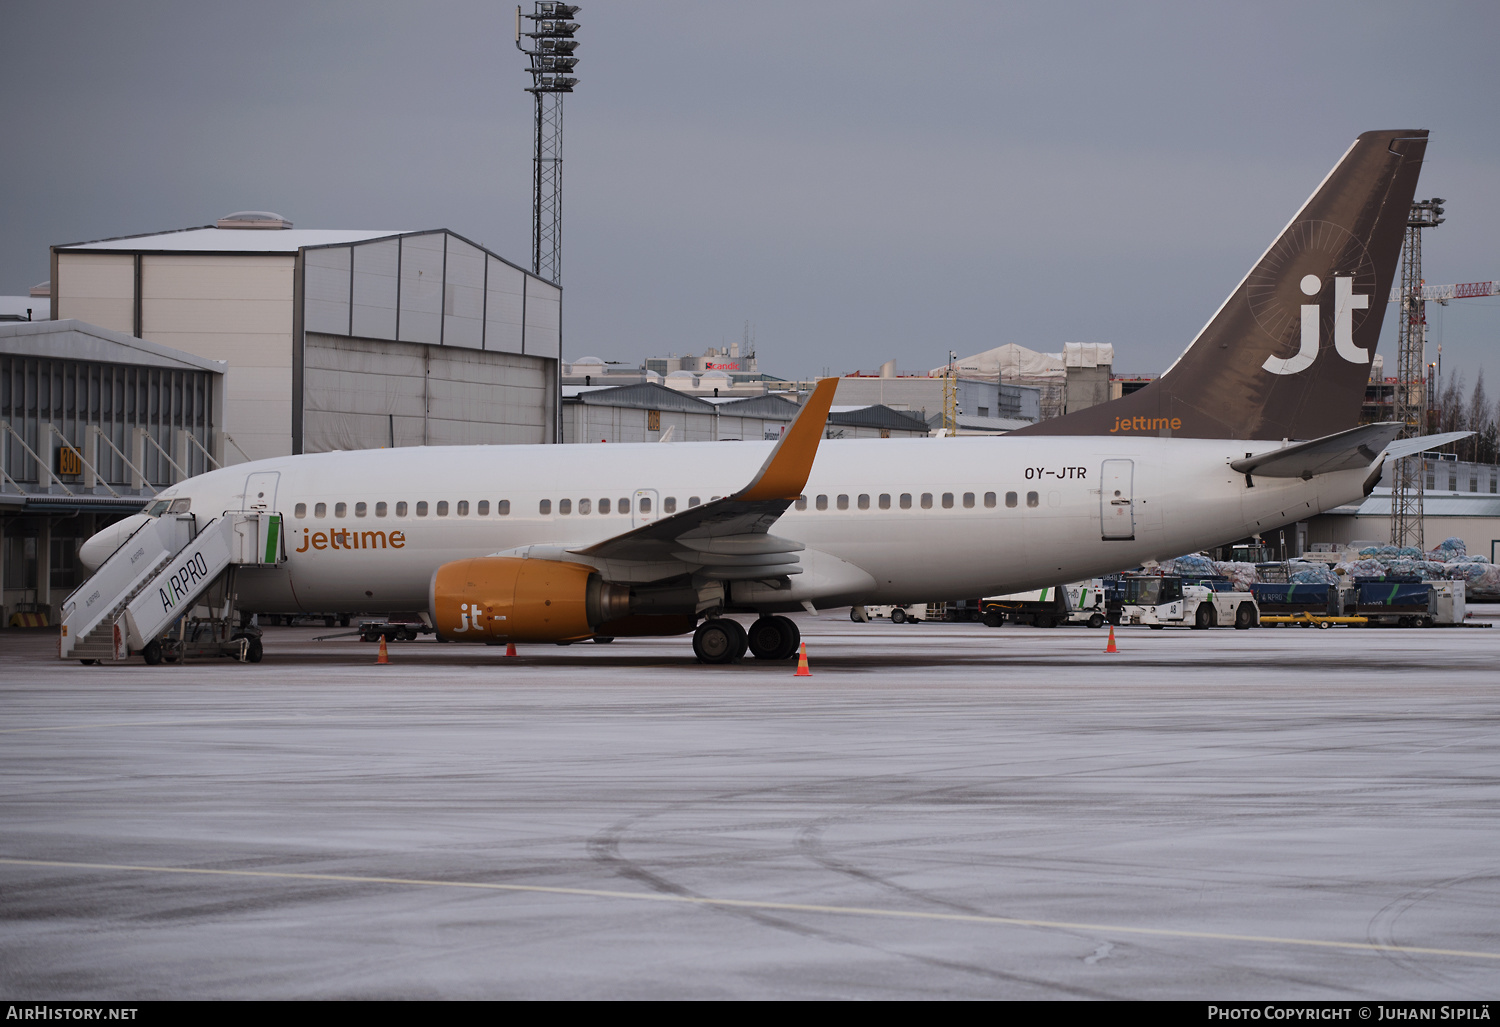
1342 451
729 537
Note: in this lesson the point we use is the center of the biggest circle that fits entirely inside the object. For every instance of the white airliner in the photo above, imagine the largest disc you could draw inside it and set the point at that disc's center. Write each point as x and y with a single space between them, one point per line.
565 543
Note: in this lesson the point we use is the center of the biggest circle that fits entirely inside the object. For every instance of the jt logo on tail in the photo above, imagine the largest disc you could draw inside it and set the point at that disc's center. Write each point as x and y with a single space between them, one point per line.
1345 303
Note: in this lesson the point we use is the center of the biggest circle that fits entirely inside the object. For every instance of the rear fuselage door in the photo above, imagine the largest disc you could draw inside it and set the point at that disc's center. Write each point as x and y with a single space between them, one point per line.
1116 502
260 491
643 510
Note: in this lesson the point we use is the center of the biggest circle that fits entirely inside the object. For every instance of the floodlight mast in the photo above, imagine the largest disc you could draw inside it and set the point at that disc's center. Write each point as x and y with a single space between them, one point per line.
551 65
1408 480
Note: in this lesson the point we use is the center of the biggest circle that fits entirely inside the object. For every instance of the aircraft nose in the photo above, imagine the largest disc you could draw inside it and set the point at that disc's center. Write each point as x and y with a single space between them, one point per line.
100 545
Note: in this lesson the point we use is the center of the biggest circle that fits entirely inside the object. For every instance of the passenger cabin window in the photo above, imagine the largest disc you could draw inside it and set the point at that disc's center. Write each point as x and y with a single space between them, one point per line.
299 511
906 500
624 505
544 507
843 502
341 509
564 506
585 505
360 509
1032 499
947 501
864 501
669 505
801 503
422 508
927 501
989 500
695 501
380 509
604 505
968 500
483 508
442 508
1010 499
401 509
885 501
822 503
463 508
645 504
503 508
321 510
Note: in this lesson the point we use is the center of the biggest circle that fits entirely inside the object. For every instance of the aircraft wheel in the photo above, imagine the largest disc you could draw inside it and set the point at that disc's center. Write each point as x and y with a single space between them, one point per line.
766 638
718 641
1244 617
853 615
152 653
898 616
1205 617
793 637
774 638
1096 620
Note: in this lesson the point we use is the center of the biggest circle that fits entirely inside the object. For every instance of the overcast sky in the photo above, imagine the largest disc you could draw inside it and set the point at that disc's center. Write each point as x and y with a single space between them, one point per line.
860 181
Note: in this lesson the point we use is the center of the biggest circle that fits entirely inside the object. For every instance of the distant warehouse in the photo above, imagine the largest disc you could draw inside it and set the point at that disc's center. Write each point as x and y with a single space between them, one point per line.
334 339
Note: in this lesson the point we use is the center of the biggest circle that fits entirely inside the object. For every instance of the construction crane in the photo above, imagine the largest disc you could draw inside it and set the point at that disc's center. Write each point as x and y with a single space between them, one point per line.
1443 293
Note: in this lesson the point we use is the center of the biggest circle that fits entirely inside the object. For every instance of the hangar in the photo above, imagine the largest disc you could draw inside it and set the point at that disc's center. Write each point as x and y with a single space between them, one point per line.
335 339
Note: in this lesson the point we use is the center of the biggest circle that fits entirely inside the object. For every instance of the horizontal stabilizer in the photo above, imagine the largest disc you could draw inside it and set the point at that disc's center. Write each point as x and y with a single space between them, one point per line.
1422 443
1343 451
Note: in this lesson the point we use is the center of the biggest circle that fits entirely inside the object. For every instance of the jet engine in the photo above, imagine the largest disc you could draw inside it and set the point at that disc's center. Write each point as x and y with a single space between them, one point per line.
504 599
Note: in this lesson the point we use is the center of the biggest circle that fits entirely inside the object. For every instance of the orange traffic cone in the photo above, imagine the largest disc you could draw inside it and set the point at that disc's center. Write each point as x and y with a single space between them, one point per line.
510 649
1111 647
802 671
384 657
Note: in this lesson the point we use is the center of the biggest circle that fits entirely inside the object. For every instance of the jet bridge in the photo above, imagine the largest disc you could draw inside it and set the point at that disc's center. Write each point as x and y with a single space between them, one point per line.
158 576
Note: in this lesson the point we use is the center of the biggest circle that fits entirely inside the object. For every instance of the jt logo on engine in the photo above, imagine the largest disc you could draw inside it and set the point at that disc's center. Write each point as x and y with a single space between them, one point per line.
1345 303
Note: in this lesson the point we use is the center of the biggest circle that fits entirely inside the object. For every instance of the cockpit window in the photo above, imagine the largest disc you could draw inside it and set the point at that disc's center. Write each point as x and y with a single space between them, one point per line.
157 509
180 506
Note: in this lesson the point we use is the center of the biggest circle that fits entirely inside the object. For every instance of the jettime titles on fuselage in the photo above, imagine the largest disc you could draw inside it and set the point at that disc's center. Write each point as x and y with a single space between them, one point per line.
344 538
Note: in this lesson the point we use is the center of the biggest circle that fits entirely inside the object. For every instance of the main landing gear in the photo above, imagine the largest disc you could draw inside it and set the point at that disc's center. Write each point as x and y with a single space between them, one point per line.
722 640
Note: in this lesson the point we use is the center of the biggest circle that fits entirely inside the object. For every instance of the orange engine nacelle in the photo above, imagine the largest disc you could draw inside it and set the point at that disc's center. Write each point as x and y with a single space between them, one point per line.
498 598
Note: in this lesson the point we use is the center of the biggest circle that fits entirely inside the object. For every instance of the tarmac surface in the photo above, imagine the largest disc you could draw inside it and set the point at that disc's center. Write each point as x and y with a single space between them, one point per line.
940 811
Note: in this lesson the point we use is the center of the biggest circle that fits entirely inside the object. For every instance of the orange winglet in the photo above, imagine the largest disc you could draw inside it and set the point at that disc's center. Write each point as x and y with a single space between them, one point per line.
784 474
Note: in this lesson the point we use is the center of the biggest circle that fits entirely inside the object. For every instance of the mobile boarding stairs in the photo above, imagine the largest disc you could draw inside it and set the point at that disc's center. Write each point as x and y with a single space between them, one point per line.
154 582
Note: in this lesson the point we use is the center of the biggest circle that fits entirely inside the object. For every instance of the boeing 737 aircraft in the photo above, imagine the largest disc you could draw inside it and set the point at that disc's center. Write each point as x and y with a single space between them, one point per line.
565 543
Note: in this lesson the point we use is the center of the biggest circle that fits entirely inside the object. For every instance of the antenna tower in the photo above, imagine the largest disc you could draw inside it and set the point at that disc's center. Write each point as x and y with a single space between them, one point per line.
552 63
1407 482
